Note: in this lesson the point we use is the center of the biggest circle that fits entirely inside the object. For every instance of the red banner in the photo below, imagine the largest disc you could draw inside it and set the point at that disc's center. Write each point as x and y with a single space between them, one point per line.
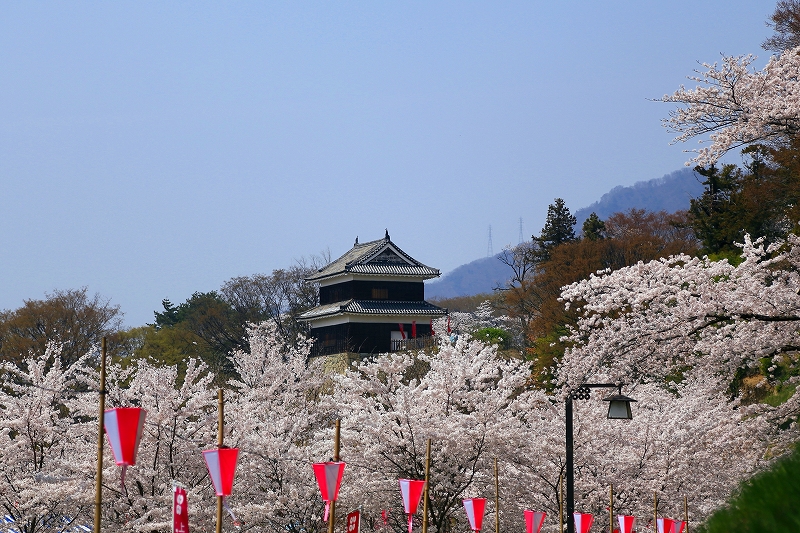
353 522
180 511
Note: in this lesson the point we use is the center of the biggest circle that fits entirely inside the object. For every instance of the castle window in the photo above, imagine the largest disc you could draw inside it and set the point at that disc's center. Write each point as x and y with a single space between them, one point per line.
380 294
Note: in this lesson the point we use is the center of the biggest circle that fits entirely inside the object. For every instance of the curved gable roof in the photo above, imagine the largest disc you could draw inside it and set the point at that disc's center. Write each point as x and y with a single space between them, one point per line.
381 258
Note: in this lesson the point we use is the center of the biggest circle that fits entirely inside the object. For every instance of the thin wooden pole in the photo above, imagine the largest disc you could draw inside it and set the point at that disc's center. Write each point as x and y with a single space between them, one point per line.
655 511
427 480
496 499
332 514
220 444
98 490
560 503
611 507
686 513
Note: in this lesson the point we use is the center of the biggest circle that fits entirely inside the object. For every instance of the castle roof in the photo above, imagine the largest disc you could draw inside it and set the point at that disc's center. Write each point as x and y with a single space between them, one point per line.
380 258
374 307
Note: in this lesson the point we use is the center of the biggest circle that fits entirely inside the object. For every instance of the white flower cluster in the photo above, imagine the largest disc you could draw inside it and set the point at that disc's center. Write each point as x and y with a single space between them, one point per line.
735 105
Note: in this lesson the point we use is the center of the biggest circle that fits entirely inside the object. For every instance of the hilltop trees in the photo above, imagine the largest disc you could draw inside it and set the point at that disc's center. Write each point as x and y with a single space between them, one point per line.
623 239
72 319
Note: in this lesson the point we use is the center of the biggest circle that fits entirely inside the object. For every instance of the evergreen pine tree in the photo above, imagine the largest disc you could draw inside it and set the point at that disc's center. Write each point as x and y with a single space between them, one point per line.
594 228
558 228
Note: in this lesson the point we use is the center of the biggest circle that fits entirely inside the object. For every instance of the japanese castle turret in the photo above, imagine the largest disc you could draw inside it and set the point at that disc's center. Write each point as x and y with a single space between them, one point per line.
372 300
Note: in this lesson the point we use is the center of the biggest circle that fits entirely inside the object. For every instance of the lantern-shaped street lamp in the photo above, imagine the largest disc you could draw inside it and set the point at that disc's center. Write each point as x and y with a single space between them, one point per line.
475 508
329 478
583 521
619 406
411 489
221 464
534 520
626 523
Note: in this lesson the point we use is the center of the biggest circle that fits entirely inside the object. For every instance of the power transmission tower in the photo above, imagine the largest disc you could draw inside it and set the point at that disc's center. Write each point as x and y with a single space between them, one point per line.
521 238
490 249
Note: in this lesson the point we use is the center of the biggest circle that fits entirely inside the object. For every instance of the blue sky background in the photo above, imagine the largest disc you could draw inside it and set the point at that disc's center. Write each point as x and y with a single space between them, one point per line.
152 149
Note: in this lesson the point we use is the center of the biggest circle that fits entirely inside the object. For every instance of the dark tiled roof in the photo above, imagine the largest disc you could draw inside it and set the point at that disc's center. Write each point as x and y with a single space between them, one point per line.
373 307
381 257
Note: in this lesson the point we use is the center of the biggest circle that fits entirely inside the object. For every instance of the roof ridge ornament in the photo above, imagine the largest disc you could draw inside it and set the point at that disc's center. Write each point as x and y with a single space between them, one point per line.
387 235
356 243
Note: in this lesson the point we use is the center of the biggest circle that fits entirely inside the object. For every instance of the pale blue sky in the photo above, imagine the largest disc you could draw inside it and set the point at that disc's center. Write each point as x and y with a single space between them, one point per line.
150 150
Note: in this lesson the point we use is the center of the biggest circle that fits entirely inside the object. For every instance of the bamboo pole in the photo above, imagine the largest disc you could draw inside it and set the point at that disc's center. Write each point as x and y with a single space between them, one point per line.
655 511
611 507
98 490
561 503
220 443
496 499
427 479
332 514
686 513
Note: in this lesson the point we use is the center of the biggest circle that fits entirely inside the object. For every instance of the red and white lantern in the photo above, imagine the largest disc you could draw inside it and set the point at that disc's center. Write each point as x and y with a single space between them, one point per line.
474 508
329 478
221 463
534 520
665 525
124 427
583 521
626 523
411 489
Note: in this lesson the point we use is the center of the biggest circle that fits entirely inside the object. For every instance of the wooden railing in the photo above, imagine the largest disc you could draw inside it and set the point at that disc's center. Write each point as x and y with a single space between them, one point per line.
399 345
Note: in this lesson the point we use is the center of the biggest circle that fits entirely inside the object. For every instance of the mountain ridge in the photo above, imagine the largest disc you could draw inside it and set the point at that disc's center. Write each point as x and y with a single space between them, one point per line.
671 192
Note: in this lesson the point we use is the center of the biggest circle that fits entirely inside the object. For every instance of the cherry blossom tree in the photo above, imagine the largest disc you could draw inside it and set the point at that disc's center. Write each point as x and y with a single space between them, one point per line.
689 327
42 464
473 407
273 416
735 105
180 423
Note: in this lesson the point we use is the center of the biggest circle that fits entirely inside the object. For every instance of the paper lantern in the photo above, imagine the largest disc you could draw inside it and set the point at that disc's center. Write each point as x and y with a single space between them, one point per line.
411 489
583 521
665 525
123 426
329 478
474 508
534 521
626 523
221 463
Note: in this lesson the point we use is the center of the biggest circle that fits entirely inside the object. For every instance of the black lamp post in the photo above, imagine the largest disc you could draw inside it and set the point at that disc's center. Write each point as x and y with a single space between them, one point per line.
619 407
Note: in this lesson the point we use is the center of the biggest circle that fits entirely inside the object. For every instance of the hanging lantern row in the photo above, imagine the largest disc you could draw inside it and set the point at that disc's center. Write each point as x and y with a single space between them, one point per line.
123 427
